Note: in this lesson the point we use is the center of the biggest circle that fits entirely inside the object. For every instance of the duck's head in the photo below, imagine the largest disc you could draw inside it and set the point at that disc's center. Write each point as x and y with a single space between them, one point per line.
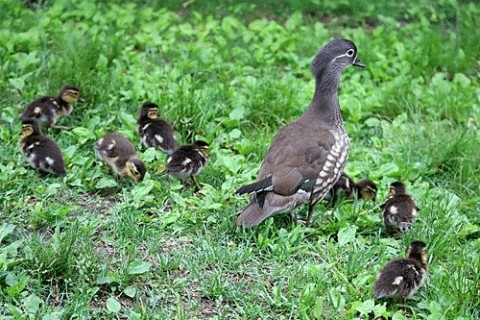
418 251
71 94
202 147
397 187
367 189
30 127
337 55
135 168
149 110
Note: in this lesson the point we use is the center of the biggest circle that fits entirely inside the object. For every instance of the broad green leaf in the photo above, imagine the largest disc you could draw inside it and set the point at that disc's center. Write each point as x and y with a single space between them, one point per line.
366 307
235 134
138 267
32 303
52 316
346 235
5 230
106 182
151 154
17 83
127 119
142 189
399 316
16 288
462 80
113 305
237 113
318 308
82 132
109 279
130 291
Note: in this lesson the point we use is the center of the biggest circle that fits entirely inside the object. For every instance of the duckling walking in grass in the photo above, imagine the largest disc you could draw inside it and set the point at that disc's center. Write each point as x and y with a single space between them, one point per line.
41 152
363 189
188 160
399 210
120 155
403 277
48 110
154 131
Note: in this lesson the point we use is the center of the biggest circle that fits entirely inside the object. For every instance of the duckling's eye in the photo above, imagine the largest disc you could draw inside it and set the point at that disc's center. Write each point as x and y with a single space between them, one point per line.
350 52
135 171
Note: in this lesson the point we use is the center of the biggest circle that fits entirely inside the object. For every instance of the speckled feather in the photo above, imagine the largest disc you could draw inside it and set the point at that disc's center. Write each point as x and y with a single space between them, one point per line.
186 161
48 110
403 277
43 153
115 150
157 132
406 212
389 282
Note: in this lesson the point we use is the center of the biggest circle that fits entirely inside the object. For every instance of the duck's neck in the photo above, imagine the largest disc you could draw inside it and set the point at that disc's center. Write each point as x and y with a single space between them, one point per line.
325 105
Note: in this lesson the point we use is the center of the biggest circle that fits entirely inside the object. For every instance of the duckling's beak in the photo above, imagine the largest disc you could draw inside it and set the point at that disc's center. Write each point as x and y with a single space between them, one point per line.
81 100
359 63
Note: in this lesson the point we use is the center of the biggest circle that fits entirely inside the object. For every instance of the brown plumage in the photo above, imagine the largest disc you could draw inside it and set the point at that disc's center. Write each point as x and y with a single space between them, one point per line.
154 131
41 152
399 210
188 160
403 277
48 110
308 155
119 154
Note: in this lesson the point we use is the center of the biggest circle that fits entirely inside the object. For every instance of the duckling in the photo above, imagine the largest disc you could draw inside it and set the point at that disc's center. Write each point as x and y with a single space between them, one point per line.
403 277
155 132
399 210
41 152
363 189
48 110
366 189
188 160
119 154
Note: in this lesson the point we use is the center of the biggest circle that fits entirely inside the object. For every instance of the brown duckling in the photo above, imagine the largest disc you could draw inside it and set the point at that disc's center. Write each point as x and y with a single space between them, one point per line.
403 277
154 131
120 155
366 189
48 110
41 152
363 189
399 210
188 160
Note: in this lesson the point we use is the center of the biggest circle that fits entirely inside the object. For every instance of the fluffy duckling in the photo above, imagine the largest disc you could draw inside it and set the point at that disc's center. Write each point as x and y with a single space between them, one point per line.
399 210
120 155
366 189
154 131
363 189
48 110
188 160
41 152
403 277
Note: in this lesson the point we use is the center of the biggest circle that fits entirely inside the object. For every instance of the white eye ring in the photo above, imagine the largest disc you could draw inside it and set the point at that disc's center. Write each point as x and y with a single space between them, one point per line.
350 52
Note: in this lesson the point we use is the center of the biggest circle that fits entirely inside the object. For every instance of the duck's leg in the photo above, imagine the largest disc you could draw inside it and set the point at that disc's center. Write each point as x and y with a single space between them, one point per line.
197 185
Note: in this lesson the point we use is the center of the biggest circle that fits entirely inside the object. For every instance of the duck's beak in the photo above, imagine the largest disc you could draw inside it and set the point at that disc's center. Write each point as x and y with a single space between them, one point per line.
359 63
81 100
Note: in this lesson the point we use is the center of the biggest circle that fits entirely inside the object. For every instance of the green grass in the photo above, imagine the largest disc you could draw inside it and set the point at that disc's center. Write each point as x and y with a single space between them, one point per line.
88 246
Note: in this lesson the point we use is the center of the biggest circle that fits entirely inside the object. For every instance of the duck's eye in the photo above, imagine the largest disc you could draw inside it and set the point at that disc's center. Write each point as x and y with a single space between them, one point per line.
350 52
